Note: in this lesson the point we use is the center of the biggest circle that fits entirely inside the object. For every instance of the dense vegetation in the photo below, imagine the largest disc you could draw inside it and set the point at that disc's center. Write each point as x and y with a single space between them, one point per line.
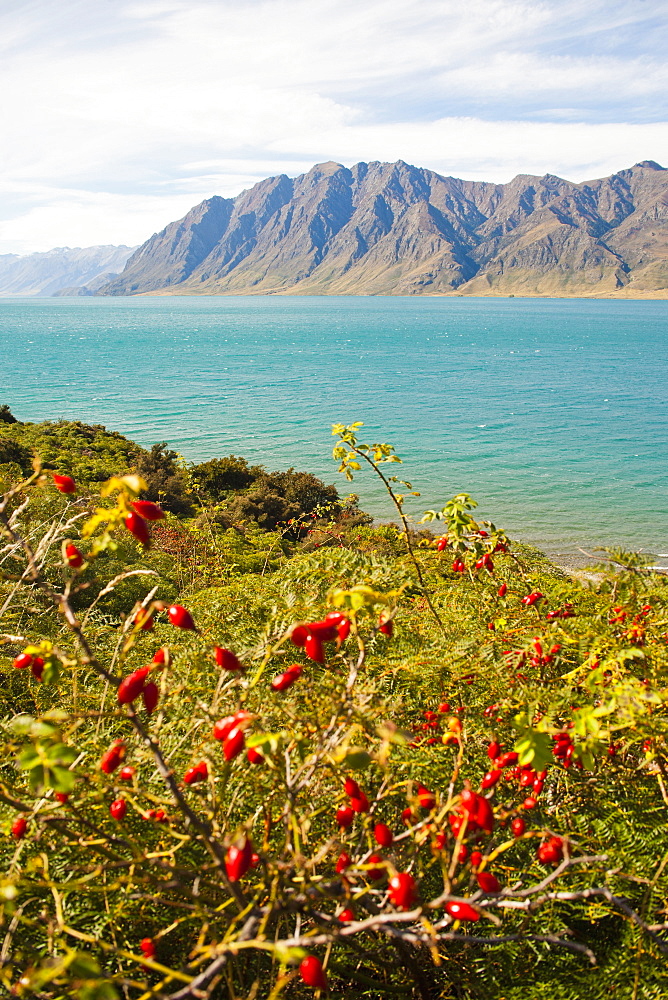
271 749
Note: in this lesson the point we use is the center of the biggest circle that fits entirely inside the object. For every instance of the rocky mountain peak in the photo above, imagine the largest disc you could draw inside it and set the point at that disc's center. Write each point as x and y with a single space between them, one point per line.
394 228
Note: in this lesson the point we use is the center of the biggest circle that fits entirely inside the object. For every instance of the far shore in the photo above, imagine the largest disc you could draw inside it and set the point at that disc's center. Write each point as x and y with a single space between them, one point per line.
622 293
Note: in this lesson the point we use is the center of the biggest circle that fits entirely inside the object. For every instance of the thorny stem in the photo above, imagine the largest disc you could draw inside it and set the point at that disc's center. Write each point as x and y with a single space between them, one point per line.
62 604
407 536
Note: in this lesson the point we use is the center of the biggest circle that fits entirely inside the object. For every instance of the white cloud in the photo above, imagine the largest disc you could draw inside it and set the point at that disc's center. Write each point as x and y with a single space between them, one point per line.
125 113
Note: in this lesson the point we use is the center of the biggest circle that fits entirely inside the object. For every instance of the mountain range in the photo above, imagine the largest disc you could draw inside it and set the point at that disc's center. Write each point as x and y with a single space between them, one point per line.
62 271
395 229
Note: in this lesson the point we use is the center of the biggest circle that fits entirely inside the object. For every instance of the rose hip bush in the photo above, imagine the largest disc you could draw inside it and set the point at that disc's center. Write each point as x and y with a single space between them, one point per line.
420 765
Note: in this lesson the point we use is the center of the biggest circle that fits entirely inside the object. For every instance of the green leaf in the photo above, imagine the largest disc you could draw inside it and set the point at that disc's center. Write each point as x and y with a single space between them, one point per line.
60 753
288 955
21 725
29 758
534 745
268 742
51 673
62 780
534 748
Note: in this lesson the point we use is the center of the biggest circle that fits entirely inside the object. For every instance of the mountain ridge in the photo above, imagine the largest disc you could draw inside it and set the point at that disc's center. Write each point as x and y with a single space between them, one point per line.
393 228
62 270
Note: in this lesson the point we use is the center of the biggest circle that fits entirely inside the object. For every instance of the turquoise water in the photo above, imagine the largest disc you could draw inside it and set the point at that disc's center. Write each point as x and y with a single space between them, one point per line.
550 412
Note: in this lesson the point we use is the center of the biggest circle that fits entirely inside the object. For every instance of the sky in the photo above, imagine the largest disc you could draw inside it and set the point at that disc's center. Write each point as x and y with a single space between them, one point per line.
117 116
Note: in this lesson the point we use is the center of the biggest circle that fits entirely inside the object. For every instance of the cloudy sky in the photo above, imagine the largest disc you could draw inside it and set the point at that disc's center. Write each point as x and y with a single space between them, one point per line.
119 115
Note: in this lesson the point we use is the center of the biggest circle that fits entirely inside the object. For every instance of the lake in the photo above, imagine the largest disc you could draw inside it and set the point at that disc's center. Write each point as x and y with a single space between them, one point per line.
550 412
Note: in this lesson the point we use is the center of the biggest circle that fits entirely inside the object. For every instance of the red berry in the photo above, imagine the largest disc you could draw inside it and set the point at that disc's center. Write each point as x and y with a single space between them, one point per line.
484 815
199 772
383 835
226 659
160 656
132 686
343 862
493 750
386 627
476 859
150 696
73 556
347 916
325 631
282 682
402 890
254 756
314 649
426 798
159 815
233 743
442 543
223 727
112 757
351 788
238 859
551 852
502 590
147 947
138 527
118 809
312 973
488 882
298 635
343 630
181 618
462 911
530 802
19 827
37 667
62 797
126 773
518 826
444 707
359 803
345 816
490 779
24 660
148 510
64 483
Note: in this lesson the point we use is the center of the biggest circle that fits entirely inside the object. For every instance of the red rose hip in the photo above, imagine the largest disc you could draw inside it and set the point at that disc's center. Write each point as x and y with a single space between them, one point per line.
148 510
402 890
118 809
138 527
73 556
64 483
312 973
180 617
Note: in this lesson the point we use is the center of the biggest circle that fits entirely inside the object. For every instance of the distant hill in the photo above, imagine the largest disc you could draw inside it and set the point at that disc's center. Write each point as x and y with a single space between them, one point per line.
395 229
61 271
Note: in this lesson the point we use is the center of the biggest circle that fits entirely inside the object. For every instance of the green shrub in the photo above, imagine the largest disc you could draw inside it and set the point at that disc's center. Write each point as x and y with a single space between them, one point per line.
119 885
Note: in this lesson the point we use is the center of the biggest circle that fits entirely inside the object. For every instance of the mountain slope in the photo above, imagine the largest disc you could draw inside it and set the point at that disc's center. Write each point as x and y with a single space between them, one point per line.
42 274
391 228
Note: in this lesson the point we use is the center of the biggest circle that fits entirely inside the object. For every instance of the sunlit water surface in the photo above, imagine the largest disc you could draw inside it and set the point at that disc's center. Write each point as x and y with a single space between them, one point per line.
551 413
